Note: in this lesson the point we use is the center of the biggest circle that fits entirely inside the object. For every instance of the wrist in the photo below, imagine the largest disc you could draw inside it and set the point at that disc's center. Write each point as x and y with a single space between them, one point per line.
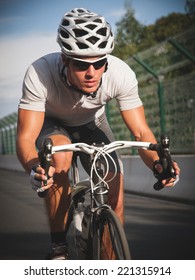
31 165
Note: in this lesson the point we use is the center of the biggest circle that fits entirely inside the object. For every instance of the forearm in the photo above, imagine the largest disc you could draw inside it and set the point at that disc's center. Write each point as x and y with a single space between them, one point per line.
26 153
136 122
28 129
147 156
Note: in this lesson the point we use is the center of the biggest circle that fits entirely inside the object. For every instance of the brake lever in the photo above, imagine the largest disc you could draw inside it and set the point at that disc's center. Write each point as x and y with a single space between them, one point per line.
45 156
166 162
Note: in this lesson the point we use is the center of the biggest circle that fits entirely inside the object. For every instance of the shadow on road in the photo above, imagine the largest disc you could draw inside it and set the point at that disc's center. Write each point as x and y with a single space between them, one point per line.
24 246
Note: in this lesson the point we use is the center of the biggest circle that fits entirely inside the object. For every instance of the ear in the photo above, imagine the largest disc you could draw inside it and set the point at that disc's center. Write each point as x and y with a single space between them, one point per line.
64 59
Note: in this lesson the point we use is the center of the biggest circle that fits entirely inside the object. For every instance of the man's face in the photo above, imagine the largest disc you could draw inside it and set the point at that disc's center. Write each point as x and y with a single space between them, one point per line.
85 72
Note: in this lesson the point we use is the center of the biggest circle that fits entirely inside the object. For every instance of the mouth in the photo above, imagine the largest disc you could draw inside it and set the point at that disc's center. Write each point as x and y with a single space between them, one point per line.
90 84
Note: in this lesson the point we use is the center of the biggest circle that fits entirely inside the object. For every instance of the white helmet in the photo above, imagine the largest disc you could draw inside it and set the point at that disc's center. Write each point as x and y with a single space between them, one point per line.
84 33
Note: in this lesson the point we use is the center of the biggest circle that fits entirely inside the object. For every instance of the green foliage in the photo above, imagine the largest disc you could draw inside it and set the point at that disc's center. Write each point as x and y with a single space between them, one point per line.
132 37
129 35
171 25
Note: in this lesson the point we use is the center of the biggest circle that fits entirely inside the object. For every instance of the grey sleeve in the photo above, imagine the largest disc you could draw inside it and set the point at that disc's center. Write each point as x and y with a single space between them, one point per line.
124 85
33 90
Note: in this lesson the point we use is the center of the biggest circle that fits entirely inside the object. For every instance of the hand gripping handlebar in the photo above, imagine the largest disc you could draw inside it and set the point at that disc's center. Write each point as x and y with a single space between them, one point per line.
165 160
45 156
161 148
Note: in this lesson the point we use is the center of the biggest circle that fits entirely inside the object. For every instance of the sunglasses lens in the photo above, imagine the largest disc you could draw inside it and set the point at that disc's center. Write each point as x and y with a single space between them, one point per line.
83 66
99 64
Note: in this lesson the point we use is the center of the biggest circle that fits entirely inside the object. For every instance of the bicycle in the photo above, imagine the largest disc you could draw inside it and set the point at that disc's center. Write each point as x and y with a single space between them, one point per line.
98 224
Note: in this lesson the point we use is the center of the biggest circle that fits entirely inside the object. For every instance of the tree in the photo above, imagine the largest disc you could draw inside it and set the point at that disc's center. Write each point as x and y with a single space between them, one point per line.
171 25
133 37
129 33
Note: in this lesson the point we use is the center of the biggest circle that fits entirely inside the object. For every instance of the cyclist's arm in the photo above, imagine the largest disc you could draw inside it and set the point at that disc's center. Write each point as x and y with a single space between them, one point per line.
136 122
29 126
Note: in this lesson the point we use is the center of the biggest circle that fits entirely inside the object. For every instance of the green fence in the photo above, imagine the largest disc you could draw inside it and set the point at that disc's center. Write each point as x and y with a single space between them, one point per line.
8 134
166 76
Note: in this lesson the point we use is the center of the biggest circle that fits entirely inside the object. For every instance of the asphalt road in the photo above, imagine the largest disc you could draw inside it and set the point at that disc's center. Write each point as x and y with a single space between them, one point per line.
156 229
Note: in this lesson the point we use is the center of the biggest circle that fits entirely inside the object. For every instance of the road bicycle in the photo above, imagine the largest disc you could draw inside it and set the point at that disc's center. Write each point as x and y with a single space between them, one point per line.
94 230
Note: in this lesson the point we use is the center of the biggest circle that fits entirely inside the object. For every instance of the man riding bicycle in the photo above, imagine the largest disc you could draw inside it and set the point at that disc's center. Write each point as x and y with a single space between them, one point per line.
64 98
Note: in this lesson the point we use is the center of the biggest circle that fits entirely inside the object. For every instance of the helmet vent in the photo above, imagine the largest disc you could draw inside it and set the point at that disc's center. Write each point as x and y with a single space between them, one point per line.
102 45
79 32
93 40
102 31
81 45
78 21
66 46
80 11
65 22
64 34
98 20
91 26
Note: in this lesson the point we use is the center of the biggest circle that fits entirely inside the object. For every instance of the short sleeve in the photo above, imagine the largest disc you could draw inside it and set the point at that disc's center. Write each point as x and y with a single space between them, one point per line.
34 90
124 85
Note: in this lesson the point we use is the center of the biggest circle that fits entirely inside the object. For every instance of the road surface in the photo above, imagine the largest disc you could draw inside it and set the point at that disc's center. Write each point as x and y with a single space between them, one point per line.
156 229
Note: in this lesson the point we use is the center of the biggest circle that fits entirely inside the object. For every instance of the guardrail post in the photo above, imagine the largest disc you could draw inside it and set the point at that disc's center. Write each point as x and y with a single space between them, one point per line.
182 50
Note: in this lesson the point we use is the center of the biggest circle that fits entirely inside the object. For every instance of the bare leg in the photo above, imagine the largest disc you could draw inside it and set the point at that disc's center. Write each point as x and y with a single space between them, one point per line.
58 199
116 196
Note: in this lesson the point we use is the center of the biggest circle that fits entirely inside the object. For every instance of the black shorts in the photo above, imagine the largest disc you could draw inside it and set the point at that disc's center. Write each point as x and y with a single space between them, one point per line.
97 131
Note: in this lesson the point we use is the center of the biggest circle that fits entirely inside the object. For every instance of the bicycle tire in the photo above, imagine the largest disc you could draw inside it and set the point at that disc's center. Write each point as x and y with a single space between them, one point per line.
107 221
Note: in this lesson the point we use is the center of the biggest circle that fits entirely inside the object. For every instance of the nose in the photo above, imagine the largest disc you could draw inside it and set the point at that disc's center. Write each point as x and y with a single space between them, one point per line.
90 72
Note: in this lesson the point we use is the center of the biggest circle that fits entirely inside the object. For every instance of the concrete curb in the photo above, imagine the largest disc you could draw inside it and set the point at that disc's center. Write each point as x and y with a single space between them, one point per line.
139 179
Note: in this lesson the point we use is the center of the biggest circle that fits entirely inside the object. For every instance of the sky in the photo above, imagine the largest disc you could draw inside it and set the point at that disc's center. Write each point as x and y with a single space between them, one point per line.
28 30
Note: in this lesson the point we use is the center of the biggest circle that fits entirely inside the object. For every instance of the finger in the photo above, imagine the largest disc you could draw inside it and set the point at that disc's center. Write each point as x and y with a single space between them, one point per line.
159 168
170 182
176 168
48 184
51 171
41 187
40 170
33 179
39 177
176 180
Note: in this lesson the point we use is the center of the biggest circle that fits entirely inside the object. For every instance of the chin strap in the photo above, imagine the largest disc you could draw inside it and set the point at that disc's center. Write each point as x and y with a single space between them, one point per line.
74 88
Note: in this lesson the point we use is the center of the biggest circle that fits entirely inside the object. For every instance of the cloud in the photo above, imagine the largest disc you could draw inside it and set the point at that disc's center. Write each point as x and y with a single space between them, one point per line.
11 19
117 13
16 54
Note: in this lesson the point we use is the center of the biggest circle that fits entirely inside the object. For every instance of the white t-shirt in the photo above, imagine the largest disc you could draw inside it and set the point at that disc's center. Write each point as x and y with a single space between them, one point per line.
44 90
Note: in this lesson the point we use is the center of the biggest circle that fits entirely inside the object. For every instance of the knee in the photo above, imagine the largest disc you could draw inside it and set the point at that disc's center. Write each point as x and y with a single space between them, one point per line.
62 160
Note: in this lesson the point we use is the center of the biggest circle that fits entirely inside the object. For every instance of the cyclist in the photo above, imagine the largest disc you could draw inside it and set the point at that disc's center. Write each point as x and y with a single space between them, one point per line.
64 98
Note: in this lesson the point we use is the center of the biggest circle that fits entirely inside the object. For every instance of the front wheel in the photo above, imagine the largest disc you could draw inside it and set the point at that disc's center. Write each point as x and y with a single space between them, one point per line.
109 239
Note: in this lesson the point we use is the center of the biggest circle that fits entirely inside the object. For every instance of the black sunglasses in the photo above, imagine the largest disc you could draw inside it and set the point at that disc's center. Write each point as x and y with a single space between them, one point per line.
83 65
